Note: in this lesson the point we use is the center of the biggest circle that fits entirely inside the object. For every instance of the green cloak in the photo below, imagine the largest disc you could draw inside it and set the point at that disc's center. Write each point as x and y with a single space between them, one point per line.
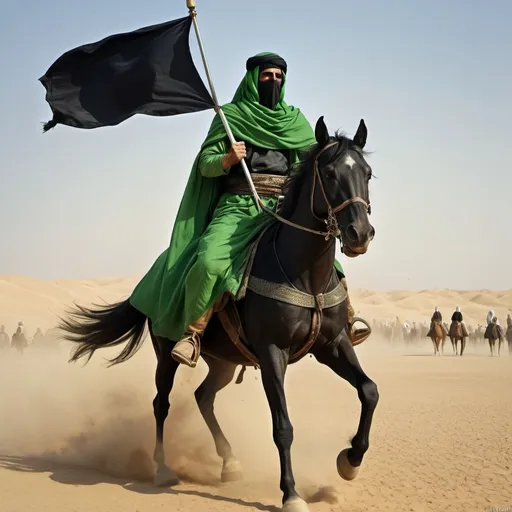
160 295
282 128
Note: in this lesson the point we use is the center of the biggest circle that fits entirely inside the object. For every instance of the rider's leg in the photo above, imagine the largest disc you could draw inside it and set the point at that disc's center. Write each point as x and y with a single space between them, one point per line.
218 269
351 311
359 335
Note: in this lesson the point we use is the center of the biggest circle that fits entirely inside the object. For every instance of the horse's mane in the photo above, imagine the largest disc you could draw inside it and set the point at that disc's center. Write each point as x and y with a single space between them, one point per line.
299 173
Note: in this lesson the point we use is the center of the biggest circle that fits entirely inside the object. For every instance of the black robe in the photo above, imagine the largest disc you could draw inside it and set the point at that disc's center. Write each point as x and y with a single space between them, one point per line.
457 316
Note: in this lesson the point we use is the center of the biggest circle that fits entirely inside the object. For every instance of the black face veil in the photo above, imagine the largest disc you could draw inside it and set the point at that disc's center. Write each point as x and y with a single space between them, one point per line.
269 91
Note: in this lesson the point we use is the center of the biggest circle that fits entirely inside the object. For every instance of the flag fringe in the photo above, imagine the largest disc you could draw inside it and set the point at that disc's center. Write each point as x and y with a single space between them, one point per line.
49 125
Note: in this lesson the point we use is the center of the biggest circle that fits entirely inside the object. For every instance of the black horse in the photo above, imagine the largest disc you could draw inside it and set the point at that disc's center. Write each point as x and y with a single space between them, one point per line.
328 197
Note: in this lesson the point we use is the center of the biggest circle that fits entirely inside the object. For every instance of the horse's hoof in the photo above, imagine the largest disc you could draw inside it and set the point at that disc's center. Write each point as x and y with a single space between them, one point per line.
345 469
295 505
231 471
165 477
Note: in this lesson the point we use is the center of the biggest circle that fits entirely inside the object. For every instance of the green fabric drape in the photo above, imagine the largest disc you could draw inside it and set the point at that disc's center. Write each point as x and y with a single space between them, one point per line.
181 284
282 128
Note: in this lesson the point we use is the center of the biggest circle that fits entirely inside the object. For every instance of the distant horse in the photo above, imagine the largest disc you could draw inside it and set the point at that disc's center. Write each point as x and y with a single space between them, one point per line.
457 334
414 333
438 337
330 190
387 331
19 341
494 333
509 338
478 335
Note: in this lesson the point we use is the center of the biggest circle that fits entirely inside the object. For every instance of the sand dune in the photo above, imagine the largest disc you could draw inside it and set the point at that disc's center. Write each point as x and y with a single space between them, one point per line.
38 302
81 438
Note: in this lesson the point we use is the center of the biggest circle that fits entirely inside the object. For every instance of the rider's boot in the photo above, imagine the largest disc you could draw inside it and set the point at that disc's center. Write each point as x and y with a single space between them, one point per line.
356 336
188 349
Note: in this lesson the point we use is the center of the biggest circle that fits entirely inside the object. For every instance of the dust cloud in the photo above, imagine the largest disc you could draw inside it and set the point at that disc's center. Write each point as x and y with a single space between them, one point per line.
101 419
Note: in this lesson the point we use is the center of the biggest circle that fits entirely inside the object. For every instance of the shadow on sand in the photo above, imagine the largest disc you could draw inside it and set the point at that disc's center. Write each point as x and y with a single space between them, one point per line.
76 475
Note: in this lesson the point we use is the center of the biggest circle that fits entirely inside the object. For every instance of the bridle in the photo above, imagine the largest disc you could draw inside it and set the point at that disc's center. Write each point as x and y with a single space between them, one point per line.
331 221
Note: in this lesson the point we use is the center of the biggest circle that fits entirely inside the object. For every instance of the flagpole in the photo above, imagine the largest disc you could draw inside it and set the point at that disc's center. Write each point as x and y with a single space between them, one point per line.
191 5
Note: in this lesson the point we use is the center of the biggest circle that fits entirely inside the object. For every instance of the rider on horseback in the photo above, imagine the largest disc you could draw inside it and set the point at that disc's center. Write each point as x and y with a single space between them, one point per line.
218 220
457 319
437 318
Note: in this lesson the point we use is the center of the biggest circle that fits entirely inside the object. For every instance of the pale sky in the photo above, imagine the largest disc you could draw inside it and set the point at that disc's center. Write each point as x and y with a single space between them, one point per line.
432 80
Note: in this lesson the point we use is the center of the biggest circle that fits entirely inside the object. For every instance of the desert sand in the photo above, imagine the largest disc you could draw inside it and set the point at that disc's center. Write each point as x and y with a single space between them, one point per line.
79 439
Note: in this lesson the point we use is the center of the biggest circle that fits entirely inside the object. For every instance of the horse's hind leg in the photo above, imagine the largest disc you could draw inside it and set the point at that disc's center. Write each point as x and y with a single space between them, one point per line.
342 359
220 375
164 379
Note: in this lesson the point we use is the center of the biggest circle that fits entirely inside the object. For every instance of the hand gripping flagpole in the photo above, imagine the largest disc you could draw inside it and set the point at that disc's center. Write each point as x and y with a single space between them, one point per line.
191 4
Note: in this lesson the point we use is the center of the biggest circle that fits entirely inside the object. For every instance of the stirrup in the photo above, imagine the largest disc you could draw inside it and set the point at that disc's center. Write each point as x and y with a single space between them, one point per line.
359 335
181 354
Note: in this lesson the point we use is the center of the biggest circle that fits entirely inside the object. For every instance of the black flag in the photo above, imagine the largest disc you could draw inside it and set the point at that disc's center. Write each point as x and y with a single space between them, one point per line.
148 71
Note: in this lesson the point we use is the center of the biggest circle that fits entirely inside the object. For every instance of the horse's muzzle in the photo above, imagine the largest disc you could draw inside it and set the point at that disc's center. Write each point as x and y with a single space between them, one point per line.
356 239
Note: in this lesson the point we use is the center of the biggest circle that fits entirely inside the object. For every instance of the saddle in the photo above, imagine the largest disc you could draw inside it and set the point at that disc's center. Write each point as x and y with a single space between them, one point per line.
230 319
494 332
436 323
456 329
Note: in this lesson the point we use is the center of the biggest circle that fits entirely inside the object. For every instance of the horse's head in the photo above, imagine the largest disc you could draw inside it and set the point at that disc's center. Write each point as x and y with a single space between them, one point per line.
340 193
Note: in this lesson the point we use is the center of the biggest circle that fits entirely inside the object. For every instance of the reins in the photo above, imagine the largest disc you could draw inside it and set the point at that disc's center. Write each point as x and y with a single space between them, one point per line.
331 222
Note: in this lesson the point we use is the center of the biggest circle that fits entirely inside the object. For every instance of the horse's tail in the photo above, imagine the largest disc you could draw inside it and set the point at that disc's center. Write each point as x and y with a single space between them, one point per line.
102 327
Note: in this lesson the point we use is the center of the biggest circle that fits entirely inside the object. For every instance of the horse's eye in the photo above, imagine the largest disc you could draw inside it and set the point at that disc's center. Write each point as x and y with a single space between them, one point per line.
329 175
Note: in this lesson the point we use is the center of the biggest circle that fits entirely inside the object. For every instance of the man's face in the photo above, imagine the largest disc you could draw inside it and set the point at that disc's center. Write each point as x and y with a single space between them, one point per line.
271 74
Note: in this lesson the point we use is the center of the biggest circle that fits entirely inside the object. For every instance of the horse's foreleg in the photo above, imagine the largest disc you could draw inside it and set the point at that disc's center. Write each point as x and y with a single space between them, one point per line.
434 342
164 380
342 359
220 375
462 345
273 362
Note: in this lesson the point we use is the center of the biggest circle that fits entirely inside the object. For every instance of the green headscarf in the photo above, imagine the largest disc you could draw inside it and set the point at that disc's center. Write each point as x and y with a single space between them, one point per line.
285 127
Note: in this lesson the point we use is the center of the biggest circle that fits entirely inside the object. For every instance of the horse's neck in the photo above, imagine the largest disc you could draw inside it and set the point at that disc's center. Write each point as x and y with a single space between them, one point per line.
306 258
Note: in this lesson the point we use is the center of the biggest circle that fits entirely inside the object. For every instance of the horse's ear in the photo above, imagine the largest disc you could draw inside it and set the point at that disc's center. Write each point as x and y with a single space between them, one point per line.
361 135
321 132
